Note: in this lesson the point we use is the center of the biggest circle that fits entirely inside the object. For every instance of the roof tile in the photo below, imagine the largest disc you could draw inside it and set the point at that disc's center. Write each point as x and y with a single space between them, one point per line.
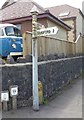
19 9
57 10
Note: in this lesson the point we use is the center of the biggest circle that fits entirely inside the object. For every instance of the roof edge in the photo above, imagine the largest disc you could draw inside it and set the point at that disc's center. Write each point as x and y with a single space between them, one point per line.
81 13
42 15
60 22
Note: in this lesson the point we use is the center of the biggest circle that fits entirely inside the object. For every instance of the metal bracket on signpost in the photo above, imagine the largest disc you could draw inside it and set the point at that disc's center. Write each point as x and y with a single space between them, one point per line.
14 94
4 99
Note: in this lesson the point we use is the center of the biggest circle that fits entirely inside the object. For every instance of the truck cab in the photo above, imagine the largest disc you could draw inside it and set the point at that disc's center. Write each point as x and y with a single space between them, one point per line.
10 41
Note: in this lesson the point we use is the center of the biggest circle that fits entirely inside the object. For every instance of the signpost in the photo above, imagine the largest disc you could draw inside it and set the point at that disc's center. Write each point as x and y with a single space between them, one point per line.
34 13
14 94
4 99
4 96
35 34
47 31
14 90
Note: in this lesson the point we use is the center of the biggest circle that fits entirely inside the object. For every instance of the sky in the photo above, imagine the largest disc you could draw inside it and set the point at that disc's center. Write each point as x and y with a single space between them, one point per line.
50 3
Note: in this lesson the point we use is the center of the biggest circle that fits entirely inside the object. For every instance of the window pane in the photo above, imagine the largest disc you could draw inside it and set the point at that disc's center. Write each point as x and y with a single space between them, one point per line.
9 31
17 32
13 31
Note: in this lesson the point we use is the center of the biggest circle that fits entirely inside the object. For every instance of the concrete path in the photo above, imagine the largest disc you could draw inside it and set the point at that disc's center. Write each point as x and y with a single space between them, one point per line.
68 104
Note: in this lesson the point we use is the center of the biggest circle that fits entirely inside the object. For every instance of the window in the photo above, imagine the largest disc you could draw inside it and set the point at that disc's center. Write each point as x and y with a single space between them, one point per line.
64 14
12 31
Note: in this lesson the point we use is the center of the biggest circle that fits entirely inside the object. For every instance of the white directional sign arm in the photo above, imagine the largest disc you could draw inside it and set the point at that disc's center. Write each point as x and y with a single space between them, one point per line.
47 31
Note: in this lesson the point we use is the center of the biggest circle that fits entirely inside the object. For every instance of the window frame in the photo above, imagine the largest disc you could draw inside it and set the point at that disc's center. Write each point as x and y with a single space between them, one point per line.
2 32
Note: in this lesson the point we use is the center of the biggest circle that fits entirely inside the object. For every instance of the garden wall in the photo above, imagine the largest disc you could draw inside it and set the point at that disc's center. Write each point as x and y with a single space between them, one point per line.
53 74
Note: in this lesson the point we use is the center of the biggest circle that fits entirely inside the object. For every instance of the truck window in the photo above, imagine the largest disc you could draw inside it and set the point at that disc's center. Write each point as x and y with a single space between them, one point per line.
12 31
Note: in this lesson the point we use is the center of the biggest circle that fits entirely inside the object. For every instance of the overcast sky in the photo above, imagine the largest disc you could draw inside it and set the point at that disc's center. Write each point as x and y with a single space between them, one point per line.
49 3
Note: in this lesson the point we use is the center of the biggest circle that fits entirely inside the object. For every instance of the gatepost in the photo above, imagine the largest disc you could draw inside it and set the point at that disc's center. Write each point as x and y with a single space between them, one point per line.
14 94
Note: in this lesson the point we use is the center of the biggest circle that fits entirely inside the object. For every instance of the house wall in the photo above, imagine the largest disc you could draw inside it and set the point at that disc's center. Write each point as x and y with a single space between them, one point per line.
83 7
71 34
43 21
61 34
79 24
77 27
27 25
83 26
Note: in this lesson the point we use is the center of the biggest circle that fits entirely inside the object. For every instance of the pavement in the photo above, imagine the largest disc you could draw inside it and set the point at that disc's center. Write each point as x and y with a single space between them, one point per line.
68 104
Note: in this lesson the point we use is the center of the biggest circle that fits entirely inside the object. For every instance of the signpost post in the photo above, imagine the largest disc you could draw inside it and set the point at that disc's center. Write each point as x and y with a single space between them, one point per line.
34 13
39 25
35 34
14 94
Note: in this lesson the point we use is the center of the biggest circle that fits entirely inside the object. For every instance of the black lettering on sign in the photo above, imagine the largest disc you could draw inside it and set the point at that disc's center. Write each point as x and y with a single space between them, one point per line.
53 30
4 96
49 31
14 91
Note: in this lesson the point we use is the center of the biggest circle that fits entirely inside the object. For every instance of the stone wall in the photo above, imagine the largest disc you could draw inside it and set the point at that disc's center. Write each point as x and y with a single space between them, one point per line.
54 75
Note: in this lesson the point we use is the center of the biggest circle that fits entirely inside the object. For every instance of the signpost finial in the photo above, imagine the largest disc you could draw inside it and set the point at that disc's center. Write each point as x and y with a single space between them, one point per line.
34 10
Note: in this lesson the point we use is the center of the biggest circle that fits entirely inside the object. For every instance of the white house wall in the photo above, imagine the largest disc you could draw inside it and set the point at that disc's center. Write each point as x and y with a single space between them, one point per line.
79 25
61 34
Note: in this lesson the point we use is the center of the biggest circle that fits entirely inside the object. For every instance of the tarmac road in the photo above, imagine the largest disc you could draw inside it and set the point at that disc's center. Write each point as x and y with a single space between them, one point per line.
68 104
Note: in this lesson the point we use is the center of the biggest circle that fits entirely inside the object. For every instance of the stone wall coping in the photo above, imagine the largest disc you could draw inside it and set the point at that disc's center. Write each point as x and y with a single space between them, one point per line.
63 59
39 63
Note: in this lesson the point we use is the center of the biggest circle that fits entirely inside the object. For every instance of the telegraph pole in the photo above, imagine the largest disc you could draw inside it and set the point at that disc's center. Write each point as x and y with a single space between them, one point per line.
34 13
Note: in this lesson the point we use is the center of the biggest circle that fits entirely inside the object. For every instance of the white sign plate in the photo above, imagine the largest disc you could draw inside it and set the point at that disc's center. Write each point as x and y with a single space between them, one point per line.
4 96
47 31
13 91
